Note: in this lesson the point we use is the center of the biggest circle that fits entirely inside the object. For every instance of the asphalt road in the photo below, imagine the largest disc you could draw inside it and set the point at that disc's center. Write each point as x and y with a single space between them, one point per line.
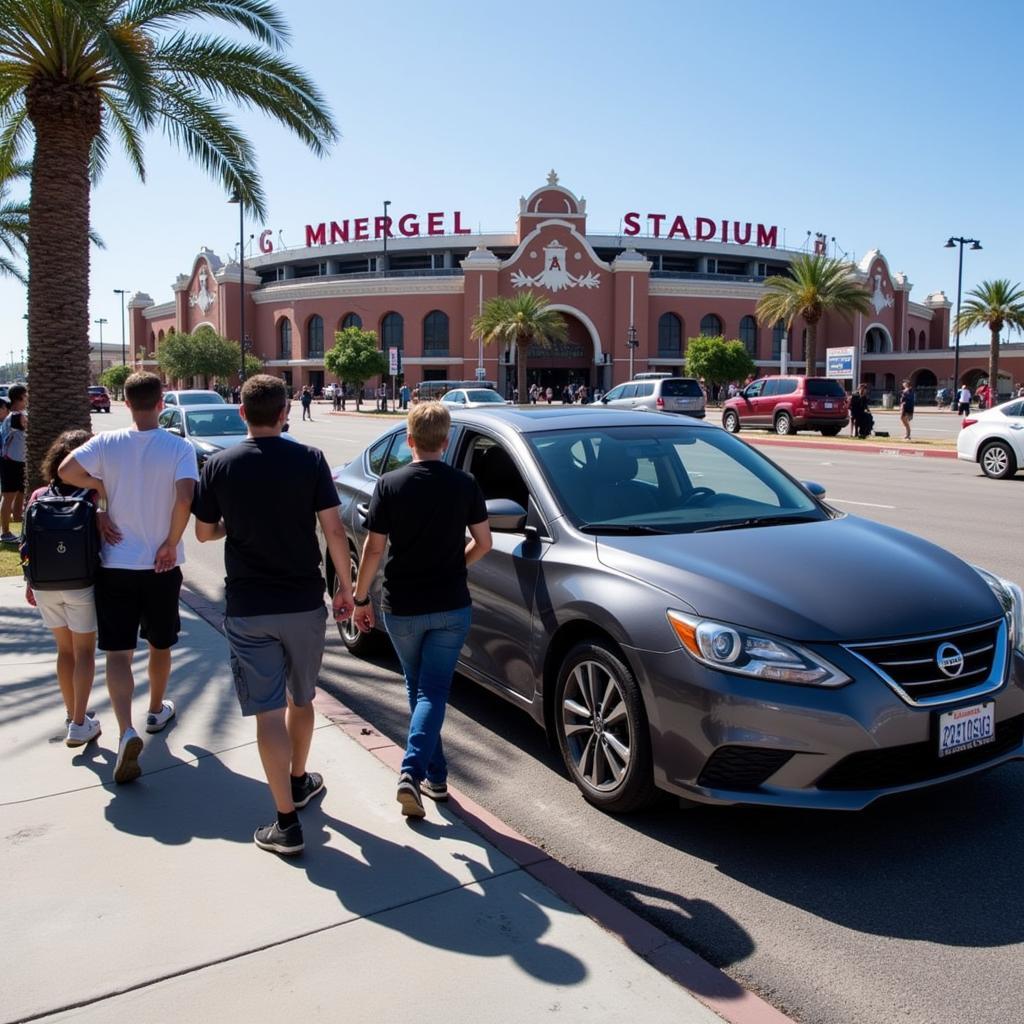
910 911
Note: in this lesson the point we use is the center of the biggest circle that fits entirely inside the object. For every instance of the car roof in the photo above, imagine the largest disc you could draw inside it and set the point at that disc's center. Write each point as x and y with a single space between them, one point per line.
534 419
656 380
209 407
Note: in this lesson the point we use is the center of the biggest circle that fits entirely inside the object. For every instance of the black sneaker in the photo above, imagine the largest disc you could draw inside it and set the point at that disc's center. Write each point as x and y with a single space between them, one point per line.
408 796
435 790
285 841
304 791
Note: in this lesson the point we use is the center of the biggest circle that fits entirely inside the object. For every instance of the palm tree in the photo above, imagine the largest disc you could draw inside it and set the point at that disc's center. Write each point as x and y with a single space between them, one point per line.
521 321
75 74
993 304
818 285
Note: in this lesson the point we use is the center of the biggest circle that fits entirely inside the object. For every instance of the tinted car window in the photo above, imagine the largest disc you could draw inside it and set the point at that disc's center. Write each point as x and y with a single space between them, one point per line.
377 453
216 422
820 387
628 391
485 395
615 393
644 390
681 389
787 387
754 390
1013 409
771 387
400 454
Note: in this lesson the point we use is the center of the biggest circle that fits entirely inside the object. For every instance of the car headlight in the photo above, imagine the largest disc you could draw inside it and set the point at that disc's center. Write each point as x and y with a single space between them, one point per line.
742 652
207 449
1011 598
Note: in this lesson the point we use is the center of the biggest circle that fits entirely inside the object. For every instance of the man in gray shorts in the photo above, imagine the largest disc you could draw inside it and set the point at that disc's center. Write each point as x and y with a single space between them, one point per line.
265 497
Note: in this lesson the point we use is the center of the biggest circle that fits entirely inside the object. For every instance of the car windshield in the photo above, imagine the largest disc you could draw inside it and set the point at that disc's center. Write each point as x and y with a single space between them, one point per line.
485 395
671 479
216 422
199 398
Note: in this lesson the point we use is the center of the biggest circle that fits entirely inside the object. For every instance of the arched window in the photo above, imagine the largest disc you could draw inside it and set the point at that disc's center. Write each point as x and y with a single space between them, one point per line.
435 333
911 340
351 320
315 338
711 326
877 340
748 335
392 331
778 335
284 338
921 342
670 336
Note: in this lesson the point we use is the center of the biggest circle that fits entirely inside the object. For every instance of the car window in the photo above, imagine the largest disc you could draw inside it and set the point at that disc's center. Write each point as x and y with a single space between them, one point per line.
614 394
788 387
644 390
485 395
165 417
201 398
1013 409
771 387
820 387
377 453
400 454
170 398
754 390
628 391
681 389
456 397
216 422
495 471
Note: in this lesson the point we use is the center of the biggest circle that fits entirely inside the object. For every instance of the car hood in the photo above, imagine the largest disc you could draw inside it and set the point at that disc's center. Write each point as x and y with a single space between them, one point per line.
219 440
838 580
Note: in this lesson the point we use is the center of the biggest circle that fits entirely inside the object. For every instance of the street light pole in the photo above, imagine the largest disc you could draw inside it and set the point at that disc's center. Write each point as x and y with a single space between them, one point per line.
631 344
124 355
952 244
101 321
387 203
236 198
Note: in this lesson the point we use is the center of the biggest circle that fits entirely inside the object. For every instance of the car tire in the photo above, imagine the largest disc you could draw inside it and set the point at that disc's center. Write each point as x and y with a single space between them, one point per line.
360 644
830 431
609 759
997 460
784 424
731 422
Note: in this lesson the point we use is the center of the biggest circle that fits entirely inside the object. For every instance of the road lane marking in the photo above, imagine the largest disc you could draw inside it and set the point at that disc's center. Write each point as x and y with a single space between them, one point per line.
865 504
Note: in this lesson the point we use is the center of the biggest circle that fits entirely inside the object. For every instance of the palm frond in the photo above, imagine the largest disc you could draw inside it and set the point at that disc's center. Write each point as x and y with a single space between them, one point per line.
259 18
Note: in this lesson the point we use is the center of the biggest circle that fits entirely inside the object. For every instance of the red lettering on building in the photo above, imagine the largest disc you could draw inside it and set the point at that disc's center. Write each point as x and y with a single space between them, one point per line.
316 234
362 226
409 226
740 232
656 219
725 231
266 243
339 232
382 225
632 224
705 229
435 223
767 237
679 228
459 229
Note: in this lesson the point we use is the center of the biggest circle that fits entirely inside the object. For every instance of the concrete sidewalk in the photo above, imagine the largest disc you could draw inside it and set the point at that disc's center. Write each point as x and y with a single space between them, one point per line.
150 902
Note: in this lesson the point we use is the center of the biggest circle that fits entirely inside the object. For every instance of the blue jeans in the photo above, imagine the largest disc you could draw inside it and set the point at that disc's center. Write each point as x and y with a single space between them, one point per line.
428 647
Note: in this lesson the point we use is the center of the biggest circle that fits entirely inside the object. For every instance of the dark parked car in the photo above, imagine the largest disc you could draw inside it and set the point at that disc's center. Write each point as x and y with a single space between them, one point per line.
641 603
789 404
99 399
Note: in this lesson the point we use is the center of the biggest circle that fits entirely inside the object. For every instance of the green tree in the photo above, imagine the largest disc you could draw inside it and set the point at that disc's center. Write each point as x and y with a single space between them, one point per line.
718 361
818 285
995 305
522 320
204 353
355 358
114 378
75 74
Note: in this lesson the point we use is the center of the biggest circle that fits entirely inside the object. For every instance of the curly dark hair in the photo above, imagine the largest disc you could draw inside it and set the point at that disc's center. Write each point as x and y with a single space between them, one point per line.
60 450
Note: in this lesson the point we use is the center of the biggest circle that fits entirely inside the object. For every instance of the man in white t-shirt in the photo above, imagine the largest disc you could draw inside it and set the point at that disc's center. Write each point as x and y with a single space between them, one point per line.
147 477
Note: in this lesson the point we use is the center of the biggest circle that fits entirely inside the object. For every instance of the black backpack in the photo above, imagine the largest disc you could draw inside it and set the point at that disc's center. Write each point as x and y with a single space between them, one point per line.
60 544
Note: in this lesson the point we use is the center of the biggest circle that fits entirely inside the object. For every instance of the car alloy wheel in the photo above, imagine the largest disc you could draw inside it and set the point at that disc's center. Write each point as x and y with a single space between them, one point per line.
602 729
731 422
997 460
784 424
357 642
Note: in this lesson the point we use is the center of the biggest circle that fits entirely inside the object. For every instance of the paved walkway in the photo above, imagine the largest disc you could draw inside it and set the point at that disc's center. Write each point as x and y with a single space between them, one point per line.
150 902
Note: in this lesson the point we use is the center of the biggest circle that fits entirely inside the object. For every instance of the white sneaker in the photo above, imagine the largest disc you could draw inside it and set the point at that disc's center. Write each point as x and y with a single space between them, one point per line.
156 722
79 735
127 768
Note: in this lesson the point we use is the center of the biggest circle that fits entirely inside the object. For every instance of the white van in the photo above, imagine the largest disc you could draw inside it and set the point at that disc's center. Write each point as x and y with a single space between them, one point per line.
666 394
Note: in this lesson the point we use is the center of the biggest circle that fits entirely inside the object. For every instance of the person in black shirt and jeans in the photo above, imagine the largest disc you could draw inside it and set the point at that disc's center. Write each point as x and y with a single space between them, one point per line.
424 510
265 497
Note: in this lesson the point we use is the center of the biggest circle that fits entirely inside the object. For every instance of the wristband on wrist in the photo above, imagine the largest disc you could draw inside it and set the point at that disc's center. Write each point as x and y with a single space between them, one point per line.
361 604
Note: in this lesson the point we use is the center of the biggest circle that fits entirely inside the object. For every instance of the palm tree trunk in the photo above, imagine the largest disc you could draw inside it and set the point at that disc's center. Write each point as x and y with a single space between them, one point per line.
522 348
993 365
811 350
66 119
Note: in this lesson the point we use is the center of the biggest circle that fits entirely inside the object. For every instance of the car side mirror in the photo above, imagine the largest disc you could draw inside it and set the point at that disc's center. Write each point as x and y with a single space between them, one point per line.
814 489
506 516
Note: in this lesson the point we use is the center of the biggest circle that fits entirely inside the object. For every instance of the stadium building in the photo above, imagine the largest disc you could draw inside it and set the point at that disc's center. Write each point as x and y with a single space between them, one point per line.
418 279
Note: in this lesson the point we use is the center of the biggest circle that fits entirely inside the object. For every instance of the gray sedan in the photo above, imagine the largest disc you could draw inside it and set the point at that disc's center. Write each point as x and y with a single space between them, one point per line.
682 615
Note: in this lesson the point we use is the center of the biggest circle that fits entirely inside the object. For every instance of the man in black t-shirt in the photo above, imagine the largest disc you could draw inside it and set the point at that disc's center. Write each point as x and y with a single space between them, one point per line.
265 497
424 510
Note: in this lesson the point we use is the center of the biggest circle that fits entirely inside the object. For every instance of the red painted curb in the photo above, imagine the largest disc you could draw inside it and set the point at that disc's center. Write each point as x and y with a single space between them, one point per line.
894 450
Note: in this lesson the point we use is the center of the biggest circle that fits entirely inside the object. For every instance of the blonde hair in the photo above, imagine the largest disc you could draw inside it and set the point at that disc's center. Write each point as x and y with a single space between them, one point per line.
428 426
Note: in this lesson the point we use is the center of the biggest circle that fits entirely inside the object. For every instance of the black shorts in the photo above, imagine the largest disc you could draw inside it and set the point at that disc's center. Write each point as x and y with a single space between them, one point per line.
130 602
12 476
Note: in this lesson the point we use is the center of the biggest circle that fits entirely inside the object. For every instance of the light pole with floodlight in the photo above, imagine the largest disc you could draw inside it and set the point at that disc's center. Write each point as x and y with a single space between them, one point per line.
632 344
101 321
975 246
236 198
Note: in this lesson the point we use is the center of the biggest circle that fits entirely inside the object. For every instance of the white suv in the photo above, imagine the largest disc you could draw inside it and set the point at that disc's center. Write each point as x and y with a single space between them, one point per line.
668 394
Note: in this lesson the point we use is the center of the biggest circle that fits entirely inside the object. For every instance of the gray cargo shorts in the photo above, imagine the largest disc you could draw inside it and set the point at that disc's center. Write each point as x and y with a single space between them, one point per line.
275 655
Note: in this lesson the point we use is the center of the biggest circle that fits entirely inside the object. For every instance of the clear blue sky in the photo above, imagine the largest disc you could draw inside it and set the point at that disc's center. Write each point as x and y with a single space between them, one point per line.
885 125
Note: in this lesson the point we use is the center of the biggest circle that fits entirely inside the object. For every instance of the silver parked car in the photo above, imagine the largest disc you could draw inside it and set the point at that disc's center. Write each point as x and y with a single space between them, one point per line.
193 398
678 612
667 394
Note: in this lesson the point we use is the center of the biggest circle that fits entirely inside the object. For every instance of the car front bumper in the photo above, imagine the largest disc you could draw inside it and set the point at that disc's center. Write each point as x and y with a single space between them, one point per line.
719 738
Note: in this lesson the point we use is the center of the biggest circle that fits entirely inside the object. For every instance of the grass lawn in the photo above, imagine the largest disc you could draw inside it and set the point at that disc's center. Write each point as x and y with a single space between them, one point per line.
10 563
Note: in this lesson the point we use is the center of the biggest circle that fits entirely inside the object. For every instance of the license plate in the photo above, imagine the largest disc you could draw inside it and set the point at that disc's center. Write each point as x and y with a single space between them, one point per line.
966 728
828 405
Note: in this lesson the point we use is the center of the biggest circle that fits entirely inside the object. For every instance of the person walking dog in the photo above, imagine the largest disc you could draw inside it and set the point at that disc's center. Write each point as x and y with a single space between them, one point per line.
424 509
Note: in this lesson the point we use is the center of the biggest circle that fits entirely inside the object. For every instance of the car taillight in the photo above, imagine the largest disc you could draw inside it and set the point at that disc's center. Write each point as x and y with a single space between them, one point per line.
968 422
660 403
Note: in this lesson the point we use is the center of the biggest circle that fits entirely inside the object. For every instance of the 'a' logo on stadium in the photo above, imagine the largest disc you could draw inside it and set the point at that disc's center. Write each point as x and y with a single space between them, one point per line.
555 276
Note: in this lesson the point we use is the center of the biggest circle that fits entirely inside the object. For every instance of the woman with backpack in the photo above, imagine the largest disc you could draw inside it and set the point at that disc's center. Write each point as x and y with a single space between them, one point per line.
70 614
